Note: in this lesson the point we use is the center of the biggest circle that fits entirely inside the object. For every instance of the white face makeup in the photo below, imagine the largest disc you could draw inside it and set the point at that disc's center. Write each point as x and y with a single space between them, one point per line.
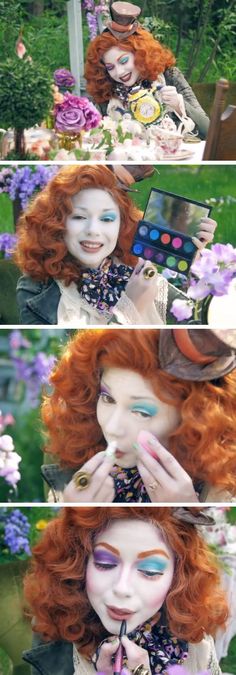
92 228
120 66
127 405
128 574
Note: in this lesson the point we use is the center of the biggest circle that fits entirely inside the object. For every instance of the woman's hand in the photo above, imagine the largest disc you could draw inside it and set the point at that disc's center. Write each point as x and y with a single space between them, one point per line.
135 656
172 99
101 485
206 232
142 285
164 479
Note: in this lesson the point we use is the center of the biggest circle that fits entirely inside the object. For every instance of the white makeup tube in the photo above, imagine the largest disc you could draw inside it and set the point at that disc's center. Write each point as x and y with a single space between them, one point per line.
111 449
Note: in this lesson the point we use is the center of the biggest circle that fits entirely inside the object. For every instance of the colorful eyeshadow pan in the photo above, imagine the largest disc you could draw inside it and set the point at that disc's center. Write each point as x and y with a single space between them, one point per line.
168 248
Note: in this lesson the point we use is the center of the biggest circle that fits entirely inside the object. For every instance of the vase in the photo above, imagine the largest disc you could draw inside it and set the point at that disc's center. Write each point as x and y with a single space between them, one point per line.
68 139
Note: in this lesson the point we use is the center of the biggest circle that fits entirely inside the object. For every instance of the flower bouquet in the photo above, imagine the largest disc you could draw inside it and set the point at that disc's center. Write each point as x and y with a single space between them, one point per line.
213 275
72 116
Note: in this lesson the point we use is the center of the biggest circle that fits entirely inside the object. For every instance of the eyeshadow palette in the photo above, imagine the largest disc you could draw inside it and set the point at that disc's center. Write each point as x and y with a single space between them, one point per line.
164 236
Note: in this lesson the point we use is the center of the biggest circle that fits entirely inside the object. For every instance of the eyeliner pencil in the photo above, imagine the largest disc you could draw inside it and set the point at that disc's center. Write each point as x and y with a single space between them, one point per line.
120 651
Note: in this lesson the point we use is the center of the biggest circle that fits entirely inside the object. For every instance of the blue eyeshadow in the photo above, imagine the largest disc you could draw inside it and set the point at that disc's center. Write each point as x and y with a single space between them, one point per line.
152 564
150 408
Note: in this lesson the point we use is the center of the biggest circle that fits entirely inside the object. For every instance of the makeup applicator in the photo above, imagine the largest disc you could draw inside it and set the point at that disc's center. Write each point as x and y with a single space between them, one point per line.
120 650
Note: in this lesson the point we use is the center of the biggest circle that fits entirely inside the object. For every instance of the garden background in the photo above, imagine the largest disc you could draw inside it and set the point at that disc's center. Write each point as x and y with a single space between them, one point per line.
202 34
21 528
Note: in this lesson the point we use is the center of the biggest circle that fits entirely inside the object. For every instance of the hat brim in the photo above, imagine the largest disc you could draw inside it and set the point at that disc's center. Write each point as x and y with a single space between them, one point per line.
175 363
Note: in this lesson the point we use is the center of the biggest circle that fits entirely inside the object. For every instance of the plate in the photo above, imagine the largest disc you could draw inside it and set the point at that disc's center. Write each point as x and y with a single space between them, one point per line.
181 154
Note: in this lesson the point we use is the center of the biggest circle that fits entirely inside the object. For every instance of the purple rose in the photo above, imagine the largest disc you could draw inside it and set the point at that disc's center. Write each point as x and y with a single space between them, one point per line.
64 78
71 119
76 113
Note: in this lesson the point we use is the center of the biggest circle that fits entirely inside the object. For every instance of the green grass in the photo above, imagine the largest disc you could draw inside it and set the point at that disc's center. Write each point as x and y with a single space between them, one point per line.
200 183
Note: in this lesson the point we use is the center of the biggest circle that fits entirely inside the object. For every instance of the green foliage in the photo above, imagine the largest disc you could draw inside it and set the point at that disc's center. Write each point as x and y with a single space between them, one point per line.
25 93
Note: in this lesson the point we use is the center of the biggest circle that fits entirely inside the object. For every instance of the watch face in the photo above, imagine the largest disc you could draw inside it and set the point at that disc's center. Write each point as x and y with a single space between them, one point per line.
146 110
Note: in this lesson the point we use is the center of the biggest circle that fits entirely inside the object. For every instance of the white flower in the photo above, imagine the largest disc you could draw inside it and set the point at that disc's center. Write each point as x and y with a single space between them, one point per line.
6 443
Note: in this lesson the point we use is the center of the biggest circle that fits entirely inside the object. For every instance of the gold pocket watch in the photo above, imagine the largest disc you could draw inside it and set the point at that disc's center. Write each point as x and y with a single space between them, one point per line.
144 107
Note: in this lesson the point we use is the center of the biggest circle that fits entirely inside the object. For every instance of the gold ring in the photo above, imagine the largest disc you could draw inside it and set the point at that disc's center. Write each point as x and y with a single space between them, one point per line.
141 670
81 479
152 486
149 272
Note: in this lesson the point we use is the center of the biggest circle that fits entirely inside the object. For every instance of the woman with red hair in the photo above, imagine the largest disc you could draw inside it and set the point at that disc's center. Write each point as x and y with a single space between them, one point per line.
148 569
128 71
143 415
74 243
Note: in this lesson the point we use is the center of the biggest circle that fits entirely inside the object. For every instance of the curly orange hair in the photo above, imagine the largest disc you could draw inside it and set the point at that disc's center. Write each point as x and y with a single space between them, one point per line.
204 442
151 59
41 251
55 586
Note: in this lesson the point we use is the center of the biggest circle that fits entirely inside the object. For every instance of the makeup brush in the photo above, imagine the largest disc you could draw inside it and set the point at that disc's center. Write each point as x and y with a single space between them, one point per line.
120 650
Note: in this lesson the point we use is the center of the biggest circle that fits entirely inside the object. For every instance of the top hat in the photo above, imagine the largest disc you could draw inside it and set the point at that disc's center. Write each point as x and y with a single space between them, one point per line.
198 354
129 174
124 19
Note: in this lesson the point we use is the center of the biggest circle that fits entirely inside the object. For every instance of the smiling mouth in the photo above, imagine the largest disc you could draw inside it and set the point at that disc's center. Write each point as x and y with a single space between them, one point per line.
126 78
119 614
90 246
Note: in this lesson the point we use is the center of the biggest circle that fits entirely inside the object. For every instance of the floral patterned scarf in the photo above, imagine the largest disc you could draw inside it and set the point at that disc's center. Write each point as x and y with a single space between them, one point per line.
102 287
163 648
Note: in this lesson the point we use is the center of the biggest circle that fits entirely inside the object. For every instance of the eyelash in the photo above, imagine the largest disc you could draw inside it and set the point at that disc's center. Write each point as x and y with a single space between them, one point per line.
105 219
107 399
147 573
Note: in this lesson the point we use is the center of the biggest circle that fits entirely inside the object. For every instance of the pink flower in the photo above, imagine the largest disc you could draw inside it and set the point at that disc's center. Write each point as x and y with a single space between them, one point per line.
181 309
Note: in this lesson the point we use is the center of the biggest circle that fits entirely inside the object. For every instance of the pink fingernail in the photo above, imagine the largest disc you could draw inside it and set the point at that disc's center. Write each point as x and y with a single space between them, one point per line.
148 442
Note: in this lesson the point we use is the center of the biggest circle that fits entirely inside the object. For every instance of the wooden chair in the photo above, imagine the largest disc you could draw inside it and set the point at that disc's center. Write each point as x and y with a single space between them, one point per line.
221 138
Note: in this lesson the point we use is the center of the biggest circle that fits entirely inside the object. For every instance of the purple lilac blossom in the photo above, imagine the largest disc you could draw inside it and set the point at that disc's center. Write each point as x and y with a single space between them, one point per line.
25 182
64 78
17 340
88 5
5 179
92 25
7 243
34 373
181 309
16 535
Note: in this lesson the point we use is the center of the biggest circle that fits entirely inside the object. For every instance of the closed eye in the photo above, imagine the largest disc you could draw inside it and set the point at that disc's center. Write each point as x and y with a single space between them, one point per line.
104 566
106 398
150 573
124 59
142 413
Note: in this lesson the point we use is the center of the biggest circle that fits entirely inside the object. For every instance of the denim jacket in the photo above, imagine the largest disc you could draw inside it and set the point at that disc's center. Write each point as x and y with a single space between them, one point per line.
37 300
50 658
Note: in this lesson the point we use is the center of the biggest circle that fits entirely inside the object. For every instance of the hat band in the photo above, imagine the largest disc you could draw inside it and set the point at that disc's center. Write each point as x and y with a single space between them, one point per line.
121 28
188 349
